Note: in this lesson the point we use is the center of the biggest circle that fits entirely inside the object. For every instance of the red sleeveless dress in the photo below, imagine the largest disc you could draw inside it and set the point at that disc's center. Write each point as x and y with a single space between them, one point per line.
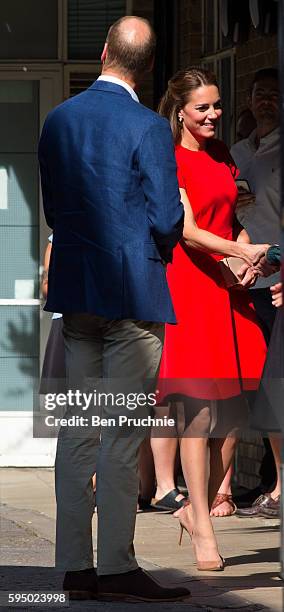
217 348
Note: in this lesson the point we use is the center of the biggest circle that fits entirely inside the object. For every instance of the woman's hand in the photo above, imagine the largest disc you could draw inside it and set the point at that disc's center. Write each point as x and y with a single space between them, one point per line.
247 277
277 295
252 253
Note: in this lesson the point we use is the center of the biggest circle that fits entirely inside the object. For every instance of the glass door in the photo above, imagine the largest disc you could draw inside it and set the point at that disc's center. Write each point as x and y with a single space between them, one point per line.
24 102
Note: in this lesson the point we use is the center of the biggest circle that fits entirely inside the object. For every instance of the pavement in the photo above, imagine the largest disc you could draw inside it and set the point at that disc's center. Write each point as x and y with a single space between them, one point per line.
250 582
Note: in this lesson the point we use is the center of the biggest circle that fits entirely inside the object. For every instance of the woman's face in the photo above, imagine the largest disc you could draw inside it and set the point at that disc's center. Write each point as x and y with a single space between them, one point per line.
202 112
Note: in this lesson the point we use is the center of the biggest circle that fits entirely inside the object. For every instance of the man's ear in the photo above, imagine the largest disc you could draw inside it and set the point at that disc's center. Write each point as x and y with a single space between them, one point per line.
104 54
249 100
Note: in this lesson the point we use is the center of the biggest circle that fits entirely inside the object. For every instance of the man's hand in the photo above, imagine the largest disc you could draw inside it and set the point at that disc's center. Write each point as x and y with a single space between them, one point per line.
253 253
247 276
263 268
277 295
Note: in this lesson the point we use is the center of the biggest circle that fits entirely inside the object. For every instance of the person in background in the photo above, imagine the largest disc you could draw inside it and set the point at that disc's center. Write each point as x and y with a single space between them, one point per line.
53 375
258 159
246 123
54 357
267 410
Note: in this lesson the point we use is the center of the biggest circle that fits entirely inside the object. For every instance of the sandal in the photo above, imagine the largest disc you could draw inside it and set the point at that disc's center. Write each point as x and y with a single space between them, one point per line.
220 499
169 502
143 504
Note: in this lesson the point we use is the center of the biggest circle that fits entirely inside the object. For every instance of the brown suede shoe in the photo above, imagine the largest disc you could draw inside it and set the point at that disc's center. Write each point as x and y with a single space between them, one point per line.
272 508
137 585
256 508
82 584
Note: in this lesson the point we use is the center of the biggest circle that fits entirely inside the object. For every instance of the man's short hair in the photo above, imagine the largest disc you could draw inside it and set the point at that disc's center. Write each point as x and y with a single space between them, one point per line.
130 57
264 73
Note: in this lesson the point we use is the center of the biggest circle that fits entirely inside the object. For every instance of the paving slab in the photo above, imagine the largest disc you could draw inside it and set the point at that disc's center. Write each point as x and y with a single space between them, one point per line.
250 582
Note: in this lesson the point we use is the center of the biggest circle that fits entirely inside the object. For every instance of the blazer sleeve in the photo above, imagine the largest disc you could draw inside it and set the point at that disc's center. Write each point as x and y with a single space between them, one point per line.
46 185
273 255
159 182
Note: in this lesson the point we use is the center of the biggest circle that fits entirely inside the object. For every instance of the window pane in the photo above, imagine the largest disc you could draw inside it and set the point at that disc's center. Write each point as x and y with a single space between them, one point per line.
19 116
18 189
28 29
19 257
19 356
19 278
88 23
19 242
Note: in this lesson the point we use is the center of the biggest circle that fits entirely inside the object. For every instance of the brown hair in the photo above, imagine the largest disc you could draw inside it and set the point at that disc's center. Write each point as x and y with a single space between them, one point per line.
130 57
180 86
264 73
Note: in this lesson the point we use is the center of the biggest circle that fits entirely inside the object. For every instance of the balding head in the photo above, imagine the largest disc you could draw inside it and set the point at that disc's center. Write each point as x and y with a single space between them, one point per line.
130 47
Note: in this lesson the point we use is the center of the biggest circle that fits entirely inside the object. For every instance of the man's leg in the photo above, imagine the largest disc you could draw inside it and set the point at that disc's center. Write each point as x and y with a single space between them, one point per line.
132 353
265 310
266 313
77 449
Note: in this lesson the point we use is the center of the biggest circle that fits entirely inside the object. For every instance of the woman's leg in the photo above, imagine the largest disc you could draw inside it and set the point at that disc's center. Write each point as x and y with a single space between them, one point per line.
221 455
194 458
164 452
224 508
232 418
146 471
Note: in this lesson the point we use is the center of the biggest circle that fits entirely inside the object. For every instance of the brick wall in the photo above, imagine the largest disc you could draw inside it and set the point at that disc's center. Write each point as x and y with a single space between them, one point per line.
249 456
258 52
190 28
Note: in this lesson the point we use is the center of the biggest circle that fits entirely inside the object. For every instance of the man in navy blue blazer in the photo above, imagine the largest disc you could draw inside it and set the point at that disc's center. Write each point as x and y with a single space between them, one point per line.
111 196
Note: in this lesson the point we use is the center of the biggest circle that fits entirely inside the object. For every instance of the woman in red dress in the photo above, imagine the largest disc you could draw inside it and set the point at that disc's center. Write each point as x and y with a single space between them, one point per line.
217 349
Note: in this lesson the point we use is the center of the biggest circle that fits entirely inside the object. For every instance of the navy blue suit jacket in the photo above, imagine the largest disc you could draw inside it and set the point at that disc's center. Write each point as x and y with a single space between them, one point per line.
111 196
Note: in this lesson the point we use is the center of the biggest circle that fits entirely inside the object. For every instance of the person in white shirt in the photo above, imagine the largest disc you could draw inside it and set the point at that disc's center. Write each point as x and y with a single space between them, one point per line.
246 123
258 159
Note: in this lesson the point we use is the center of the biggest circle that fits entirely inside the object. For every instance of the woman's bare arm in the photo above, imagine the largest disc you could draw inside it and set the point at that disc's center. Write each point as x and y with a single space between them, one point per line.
203 240
44 279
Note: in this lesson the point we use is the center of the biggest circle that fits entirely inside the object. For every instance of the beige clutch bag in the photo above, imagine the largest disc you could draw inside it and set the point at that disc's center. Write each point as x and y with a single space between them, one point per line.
229 268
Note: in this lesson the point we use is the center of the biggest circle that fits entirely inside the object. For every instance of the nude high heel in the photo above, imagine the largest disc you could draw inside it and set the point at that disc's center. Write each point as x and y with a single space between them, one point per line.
202 566
183 527
211 566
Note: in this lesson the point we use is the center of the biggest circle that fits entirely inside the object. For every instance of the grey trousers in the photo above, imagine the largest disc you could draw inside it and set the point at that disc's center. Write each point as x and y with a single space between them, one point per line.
125 353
